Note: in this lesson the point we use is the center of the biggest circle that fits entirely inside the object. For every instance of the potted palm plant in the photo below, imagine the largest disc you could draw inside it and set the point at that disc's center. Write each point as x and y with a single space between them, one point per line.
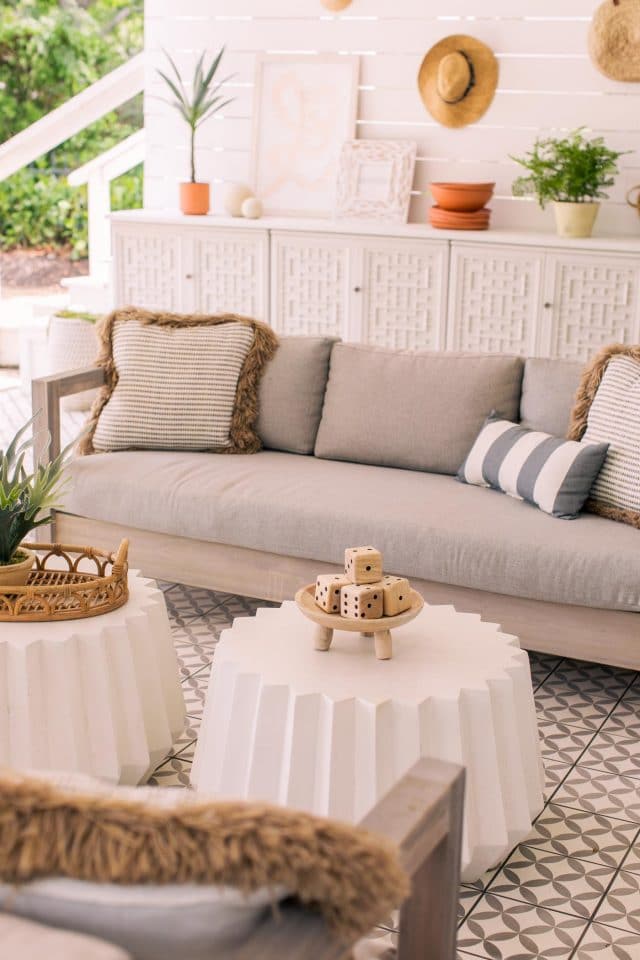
573 173
203 103
26 500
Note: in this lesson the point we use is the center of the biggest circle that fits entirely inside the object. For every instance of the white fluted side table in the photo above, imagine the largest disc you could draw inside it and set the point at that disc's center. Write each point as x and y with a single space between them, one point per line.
100 696
330 732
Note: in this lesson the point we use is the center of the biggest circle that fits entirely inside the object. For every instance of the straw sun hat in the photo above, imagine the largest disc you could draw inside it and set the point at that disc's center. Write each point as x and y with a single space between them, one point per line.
614 39
457 80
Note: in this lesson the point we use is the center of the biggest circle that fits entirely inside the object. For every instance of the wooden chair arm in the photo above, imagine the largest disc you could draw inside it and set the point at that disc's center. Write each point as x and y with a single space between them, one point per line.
422 815
46 393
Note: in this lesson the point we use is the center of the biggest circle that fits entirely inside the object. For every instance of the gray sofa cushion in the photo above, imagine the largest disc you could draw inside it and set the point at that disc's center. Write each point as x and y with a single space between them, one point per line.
415 410
548 391
291 393
427 525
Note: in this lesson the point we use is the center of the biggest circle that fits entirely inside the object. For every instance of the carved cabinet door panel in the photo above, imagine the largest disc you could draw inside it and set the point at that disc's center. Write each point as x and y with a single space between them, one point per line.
310 283
403 293
227 271
494 298
147 266
590 300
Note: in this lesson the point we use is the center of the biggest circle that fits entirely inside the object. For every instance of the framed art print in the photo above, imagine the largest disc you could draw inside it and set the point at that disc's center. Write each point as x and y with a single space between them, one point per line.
304 109
375 179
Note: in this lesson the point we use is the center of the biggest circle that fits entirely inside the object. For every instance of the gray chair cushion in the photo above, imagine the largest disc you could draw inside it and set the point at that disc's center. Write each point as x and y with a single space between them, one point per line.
427 525
292 392
22 940
151 923
415 410
548 391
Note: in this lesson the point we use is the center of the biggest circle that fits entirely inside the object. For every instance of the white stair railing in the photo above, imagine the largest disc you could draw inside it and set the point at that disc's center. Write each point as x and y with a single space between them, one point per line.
96 100
98 174
89 105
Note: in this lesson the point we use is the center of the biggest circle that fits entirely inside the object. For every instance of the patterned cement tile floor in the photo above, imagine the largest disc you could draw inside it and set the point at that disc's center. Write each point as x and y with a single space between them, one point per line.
572 889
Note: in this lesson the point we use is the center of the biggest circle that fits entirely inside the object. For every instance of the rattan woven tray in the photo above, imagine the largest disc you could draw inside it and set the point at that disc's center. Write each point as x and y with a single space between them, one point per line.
68 583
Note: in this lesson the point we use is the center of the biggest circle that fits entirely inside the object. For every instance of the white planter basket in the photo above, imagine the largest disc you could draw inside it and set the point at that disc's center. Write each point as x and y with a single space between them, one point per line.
71 344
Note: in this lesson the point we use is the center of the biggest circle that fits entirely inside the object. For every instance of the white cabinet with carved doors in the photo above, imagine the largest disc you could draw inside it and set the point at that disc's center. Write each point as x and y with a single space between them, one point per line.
534 301
590 300
400 286
191 269
388 291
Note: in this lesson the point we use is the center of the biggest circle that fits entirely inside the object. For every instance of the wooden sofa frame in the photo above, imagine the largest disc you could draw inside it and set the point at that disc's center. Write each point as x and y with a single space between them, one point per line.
583 633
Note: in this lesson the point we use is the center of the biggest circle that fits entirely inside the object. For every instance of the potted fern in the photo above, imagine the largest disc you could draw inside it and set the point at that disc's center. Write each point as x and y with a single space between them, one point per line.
573 173
203 103
26 500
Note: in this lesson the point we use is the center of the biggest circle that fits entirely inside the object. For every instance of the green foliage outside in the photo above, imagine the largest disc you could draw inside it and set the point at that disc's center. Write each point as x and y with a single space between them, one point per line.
572 169
50 51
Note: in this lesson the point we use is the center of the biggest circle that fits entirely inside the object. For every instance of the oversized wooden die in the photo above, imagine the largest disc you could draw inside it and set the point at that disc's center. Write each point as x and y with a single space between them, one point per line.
327 592
362 601
396 595
363 564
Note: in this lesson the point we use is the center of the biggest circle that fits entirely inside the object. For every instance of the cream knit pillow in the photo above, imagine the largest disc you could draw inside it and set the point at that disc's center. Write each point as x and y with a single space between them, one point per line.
607 410
179 383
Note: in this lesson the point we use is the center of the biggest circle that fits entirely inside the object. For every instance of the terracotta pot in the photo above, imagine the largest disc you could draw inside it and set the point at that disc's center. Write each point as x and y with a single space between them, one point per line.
194 198
454 220
575 219
462 197
17 574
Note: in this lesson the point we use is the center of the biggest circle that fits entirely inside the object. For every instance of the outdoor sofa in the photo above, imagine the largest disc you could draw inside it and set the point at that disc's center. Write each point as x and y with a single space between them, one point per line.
361 446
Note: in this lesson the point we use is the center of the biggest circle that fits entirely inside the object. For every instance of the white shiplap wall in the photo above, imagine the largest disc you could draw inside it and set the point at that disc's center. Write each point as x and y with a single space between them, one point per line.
547 84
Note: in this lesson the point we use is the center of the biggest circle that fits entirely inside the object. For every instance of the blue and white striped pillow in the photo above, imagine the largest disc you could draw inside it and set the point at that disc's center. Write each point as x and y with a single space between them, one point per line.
555 475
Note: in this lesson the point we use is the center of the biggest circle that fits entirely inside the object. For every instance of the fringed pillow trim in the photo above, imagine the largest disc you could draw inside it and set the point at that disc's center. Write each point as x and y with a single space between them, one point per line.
591 380
352 877
243 436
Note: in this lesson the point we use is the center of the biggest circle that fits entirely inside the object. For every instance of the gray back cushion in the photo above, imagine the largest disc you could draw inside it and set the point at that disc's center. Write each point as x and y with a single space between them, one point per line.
291 393
416 410
548 392
171 922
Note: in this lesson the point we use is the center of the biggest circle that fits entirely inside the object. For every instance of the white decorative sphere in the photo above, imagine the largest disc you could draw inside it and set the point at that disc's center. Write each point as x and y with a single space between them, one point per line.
252 208
234 197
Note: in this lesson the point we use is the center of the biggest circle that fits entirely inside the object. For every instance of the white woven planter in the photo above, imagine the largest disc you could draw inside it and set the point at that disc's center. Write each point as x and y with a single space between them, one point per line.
72 343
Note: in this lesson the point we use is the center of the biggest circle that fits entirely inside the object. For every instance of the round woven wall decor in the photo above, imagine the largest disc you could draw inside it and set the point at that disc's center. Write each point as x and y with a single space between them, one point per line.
614 40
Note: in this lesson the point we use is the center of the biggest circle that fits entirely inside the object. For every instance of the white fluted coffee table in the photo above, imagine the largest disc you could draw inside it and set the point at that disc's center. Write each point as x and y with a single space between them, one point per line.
330 732
100 696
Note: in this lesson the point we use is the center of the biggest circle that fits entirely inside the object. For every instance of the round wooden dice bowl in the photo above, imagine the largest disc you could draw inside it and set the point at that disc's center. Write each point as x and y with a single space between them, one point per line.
379 629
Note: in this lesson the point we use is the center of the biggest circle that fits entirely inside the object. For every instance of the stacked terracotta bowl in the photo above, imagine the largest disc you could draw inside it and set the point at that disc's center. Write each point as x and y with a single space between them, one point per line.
461 206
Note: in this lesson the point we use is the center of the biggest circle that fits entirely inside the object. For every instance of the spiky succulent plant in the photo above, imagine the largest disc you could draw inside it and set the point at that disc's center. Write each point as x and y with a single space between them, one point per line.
26 499
205 99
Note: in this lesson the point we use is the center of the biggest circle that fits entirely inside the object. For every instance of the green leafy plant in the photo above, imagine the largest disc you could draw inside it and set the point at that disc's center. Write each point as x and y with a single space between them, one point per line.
205 100
26 499
572 169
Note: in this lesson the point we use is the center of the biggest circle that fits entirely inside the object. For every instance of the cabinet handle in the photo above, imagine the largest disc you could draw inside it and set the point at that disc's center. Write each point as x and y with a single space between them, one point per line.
357 289
188 276
548 305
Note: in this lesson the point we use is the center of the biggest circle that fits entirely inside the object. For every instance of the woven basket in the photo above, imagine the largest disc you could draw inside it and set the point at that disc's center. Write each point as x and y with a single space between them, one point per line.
59 592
